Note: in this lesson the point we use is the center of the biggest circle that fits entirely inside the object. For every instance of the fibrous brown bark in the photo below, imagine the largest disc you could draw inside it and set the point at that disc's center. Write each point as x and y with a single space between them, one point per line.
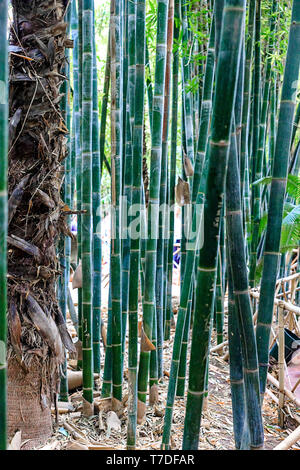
37 332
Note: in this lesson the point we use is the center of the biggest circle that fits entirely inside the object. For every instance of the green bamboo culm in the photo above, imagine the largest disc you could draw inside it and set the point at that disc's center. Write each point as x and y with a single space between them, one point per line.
136 196
160 284
172 176
86 204
277 195
3 214
236 366
77 71
104 108
65 243
246 93
186 289
218 146
155 170
127 183
96 200
116 187
237 255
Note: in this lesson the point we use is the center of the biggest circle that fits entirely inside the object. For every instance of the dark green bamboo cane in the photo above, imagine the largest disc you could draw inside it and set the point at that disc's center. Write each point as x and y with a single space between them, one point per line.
186 93
160 267
104 108
236 367
185 294
257 189
296 124
86 204
172 178
96 201
236 249
136 240
131 59
3 214
128 163
184 350
206 105
107 373
246 93
78 131
227 66
277 194
156 150
127 184
255 163
116 46
219 302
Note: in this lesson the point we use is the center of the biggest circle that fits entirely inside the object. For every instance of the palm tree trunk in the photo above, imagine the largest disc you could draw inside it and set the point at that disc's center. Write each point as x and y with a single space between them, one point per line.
37 333
3 214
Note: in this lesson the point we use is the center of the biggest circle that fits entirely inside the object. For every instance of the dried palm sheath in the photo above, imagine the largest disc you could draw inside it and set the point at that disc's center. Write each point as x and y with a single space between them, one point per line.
160 266
116 48
236 251
136 241
277 194
86 199
37 150
65 241
172 176
156 150
218 146
3 214
96 201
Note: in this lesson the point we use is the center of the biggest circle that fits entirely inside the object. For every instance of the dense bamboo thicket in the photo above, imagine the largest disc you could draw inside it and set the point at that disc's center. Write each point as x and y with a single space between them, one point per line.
153 159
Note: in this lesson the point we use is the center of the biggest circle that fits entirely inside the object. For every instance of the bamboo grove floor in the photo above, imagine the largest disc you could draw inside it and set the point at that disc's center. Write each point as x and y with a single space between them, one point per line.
74 431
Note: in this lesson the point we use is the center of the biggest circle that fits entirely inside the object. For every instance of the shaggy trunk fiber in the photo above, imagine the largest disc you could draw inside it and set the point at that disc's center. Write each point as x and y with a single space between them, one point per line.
37 333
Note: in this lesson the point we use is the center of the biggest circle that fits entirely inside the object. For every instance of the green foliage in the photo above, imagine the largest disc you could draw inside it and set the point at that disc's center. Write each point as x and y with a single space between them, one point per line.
291 214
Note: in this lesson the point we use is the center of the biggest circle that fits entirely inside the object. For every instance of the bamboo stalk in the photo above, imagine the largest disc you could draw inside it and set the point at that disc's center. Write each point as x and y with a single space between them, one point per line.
96 204
277 194
135 248
172 177
86 204
116 46
230 43
155 170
